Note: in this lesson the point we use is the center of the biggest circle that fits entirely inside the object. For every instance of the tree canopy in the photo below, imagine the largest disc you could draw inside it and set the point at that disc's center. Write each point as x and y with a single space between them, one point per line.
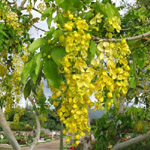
88 50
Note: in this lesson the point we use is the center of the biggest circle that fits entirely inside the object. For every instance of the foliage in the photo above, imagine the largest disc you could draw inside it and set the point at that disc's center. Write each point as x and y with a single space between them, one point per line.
13 53
72 62
114 127
78 58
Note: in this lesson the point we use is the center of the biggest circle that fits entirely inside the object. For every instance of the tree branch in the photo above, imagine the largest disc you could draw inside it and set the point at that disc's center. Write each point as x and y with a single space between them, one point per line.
38 130
11 138
121 105
38 28
33 9
145 25
15 2
11 3
117 40
137 139
22 3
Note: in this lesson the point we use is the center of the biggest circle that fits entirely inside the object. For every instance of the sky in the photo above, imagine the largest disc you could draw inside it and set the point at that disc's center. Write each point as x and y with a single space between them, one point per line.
34 33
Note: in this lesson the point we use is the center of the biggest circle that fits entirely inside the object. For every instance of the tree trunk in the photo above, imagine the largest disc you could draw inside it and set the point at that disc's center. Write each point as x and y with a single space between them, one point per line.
87 138
38 129
121 106
61 137
11 138
137 139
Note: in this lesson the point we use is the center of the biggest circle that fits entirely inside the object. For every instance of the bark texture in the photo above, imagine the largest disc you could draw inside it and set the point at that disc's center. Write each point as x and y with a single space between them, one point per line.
61 137
127 39
7 131
38 129
131 141
87 138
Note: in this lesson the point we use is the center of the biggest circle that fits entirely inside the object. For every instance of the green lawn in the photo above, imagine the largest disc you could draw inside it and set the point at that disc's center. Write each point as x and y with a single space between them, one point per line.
1 148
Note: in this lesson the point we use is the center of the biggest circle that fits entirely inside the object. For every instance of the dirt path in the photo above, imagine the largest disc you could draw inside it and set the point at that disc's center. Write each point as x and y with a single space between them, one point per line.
48 146
54 145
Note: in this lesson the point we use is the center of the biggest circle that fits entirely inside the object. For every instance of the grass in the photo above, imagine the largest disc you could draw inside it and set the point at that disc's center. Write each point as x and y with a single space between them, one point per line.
2 148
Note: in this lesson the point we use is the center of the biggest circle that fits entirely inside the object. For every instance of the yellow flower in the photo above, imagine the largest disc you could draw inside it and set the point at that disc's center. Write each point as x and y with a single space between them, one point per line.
101 56
68 139
96 28
99 18
48 56
77 142
75 106
101 100
106 44
93 21
109 95
82 25
109 35
82 134
95 62
61 38
64 131
119 70
76 137
69 25
70 16
88 36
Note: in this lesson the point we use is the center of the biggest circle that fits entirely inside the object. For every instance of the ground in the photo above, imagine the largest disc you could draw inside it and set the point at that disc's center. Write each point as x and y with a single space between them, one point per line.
54 145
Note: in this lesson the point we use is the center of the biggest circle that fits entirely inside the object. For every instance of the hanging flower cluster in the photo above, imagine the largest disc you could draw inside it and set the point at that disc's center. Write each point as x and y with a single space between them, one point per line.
78 86
106 77
112 77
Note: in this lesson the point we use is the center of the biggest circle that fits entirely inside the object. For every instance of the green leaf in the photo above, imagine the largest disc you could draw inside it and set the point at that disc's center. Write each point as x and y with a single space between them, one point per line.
50 32
92 50
115 11
106 1
47 12
45 49
88 15
2 32
59 19
78 4
57 33
114 98
36 44
132 82
107 10
132 70
51 73
141 62
49 20
99 8
57 54
131 93
27 89
66 4
36 67
58 2
26 71
38 64
87 1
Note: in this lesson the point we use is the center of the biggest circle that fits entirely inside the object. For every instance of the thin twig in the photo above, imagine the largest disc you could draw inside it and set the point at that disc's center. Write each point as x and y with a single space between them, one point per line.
145 25
32 9
11 3
38 28
127 39
22 3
